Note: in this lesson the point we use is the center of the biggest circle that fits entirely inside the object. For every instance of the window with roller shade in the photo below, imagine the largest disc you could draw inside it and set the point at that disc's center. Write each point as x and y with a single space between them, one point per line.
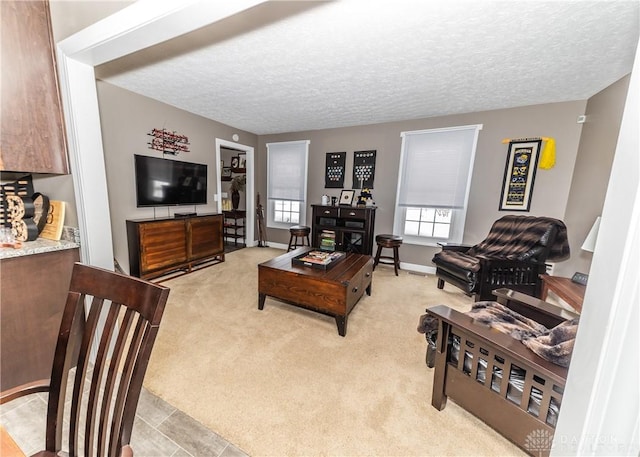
433 184
287 183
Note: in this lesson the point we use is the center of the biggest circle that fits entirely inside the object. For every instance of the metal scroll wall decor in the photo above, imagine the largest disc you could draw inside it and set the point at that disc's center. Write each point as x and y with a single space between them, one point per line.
168 142
519 174
364 169
334 170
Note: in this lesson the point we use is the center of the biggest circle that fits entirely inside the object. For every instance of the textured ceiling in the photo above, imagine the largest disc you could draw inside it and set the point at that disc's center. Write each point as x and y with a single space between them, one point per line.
293 66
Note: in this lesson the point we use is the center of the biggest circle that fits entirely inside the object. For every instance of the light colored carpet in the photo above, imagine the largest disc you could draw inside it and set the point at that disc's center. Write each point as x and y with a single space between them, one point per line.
282 382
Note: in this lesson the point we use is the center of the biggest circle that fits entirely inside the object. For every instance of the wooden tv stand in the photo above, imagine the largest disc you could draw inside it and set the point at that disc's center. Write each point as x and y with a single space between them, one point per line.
158 247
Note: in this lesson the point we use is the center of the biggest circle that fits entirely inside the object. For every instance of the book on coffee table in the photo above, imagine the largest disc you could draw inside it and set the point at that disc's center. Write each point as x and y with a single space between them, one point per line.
318 259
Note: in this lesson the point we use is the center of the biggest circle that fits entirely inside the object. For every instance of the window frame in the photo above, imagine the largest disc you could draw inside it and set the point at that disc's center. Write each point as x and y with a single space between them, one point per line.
271 202
458 216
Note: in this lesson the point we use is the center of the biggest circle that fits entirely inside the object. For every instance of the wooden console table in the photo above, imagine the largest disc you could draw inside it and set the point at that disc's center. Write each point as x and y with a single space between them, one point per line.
565 288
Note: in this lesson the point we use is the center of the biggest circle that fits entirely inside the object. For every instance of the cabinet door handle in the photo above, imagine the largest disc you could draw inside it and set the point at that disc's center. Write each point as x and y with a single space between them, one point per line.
367 274
354 290
327 212
352 213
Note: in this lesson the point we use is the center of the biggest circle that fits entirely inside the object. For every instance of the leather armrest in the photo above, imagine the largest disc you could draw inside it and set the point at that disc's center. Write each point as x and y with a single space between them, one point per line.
454 247
42 385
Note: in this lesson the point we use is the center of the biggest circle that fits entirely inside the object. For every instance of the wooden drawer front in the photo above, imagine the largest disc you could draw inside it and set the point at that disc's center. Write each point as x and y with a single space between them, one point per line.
303 290
358 284
353 213
162 244
327 212
206 236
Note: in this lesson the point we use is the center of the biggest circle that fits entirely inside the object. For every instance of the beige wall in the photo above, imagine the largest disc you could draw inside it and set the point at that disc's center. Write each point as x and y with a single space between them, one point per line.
591 172
126 118
551 187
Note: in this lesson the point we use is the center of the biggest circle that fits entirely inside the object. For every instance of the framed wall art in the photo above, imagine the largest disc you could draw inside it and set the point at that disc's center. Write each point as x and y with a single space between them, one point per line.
334 170
519 175
364 169
346 197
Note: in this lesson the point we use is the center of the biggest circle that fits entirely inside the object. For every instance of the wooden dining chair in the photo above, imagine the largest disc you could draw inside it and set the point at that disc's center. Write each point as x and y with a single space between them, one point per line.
110 351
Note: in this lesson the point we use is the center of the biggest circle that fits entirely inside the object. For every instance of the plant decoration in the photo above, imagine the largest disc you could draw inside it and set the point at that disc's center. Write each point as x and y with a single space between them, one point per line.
238 183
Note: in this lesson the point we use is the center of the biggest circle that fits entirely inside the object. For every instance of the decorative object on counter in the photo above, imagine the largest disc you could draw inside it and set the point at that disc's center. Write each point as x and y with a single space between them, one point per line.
364 169
519 174
334 170
346 197
55 221
325 200
41 205
548 155
22 187
365 198
21 211
237 185
334 201
168 142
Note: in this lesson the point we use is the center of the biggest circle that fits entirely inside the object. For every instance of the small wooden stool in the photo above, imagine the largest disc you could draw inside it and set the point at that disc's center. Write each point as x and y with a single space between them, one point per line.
388 241
298 234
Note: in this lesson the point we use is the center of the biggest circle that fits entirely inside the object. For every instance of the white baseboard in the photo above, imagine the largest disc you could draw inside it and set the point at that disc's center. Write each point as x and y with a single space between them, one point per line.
418 268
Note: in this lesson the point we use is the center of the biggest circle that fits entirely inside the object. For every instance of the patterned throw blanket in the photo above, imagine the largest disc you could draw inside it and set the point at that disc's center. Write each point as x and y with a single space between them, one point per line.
555 345
513 238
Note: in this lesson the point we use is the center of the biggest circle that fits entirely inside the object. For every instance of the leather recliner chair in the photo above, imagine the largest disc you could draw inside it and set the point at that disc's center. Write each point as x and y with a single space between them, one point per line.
513 255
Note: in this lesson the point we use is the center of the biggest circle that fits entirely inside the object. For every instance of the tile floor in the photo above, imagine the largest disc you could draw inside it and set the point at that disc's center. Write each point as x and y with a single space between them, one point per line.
159 429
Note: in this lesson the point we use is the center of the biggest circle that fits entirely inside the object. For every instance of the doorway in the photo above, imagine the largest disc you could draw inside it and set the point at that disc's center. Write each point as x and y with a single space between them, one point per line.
235 161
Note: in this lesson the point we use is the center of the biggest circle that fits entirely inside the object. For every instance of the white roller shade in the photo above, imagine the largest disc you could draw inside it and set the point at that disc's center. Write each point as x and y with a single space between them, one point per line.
436 167
287 170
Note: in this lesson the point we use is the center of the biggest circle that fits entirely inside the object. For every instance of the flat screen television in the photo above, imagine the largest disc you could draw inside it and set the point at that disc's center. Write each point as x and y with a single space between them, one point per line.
165 182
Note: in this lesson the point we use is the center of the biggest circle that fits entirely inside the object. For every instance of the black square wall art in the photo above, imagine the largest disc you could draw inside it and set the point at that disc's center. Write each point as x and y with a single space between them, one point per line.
334 172
364 169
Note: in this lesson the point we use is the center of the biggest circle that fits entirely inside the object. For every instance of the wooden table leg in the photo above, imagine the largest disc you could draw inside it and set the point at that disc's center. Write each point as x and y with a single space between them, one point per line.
261 299
341 321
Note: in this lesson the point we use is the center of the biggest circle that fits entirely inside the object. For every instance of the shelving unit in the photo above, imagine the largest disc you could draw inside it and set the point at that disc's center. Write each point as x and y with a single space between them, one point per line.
234 225
353 227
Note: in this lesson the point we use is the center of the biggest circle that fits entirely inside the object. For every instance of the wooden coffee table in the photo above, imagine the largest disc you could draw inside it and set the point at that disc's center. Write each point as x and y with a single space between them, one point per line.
333 292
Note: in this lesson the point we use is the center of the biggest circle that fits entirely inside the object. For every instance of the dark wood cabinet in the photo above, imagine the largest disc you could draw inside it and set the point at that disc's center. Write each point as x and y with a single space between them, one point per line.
34 291
33 135
353 226
161 246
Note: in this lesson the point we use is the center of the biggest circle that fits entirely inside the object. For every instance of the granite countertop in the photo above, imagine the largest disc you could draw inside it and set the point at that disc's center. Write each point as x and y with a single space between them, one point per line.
39 246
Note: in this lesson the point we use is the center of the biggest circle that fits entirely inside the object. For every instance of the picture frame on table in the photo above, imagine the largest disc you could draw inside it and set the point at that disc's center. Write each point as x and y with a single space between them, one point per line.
519 175
235 162
346 197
